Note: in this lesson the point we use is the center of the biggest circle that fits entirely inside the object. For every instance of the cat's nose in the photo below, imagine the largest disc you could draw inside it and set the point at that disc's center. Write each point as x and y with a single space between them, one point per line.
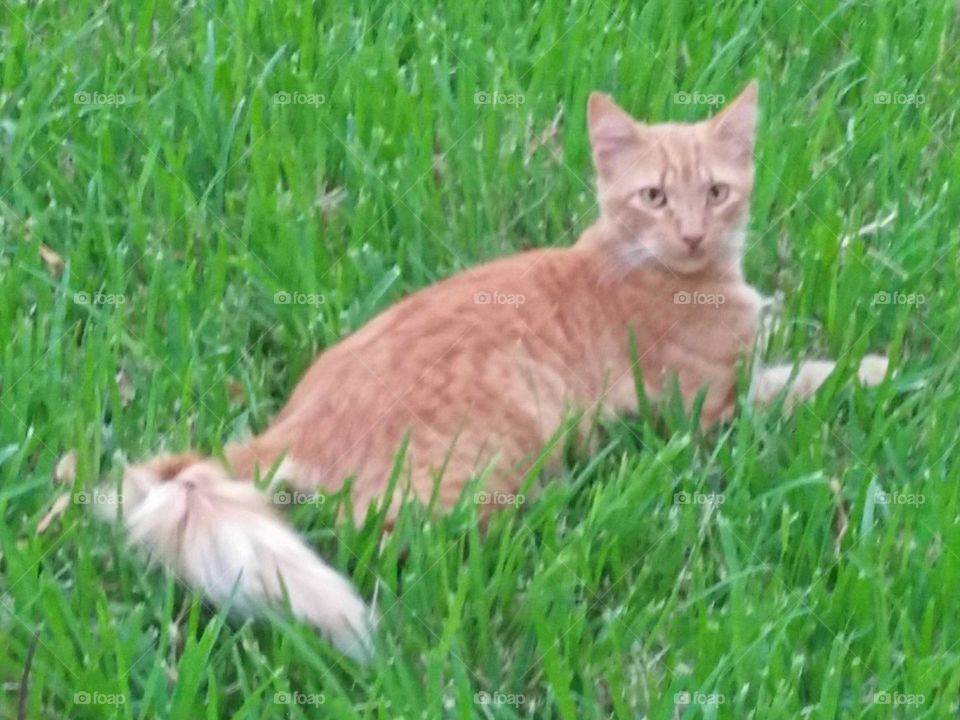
693 241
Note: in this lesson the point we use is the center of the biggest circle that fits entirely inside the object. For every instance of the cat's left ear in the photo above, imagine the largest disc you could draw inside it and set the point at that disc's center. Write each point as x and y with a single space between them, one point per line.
736 124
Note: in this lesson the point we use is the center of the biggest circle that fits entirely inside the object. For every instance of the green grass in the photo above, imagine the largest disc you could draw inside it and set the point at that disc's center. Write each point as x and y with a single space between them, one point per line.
201 196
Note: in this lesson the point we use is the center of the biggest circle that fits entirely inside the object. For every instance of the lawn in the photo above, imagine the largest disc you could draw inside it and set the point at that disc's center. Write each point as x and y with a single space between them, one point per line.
196 198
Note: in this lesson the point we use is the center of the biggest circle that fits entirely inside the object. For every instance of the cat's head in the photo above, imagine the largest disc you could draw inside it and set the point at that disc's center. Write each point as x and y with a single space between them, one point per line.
674 193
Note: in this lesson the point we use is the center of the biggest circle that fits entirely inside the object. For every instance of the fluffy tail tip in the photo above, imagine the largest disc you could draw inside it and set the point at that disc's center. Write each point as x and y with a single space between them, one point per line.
222 537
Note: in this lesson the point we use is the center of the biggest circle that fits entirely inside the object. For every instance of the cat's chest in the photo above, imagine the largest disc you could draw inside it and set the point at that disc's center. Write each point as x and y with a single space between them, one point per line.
696 336
710 332
711 326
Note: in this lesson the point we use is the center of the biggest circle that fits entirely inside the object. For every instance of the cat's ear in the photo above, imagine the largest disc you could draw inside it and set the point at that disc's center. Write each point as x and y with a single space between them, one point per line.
736 124
611 129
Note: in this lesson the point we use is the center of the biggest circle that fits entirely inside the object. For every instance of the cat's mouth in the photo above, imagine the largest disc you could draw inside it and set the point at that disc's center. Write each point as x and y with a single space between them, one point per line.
687 261
684 262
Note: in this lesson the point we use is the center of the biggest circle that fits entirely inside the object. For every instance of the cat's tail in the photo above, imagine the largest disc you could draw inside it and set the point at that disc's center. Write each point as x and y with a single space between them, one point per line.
222 536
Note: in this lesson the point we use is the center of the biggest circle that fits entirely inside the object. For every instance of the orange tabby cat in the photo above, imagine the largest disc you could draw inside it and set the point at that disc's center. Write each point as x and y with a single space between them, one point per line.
481 369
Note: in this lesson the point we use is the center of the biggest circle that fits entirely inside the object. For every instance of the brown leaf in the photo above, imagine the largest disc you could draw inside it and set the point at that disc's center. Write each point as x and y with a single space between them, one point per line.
439 167
841 522
549 139
56 510
65 473
328 200
52 259
125 386
66 470
235 391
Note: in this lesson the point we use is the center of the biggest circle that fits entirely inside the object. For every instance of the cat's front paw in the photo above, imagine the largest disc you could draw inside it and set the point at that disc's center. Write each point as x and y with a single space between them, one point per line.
873 369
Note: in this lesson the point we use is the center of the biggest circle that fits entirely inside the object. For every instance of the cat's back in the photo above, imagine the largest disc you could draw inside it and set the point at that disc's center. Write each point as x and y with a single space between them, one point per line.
486 304
445 331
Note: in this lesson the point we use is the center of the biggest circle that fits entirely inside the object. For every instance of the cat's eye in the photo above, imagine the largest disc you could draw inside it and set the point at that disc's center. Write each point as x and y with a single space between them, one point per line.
717 193
653 197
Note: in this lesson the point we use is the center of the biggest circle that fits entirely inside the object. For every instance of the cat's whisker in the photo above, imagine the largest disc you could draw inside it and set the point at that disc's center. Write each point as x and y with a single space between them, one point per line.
618 265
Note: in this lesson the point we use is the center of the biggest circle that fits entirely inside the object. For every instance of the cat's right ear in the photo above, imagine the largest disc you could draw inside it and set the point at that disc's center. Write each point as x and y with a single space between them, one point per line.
611 129
736 125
